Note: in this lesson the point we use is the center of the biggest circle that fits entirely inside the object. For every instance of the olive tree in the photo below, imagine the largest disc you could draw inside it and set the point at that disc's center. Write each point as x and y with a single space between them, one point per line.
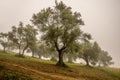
60 27
4 40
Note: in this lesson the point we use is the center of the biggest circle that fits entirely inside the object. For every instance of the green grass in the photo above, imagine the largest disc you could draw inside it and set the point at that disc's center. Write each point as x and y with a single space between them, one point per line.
112 72
74 71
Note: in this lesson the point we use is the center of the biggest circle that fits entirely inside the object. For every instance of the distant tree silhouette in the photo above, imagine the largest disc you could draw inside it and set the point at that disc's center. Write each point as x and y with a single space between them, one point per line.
4 40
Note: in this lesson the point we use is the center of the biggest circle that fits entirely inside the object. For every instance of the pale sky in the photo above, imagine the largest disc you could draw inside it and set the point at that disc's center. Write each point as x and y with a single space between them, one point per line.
101 17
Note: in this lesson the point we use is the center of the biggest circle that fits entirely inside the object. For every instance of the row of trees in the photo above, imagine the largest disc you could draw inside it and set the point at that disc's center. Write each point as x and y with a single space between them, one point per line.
19 38
60 33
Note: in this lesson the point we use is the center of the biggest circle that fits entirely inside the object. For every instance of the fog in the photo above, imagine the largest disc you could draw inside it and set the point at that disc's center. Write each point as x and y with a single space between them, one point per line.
101 17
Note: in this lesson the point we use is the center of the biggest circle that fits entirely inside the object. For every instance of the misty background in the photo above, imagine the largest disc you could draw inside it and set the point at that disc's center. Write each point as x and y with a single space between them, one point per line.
101 17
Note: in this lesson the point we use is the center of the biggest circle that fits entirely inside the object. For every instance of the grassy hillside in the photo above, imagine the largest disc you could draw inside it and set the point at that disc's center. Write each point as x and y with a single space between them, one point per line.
15 68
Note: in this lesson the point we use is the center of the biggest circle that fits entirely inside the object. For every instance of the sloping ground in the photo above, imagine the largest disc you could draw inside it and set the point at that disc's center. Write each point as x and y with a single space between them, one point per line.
7 74
32 73
35 69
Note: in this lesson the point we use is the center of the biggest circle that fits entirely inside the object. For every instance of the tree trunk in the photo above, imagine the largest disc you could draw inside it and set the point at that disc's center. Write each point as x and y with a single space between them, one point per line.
39 55
4 49
99 65
60 61
60 54
70 59
24 49
87 62
19 50
33 54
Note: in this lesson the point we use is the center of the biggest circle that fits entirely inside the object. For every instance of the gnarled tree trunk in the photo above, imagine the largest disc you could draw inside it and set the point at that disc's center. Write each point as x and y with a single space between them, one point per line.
87 62
60 59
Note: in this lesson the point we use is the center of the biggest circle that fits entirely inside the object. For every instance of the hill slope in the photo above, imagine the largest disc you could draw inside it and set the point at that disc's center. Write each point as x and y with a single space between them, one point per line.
35 69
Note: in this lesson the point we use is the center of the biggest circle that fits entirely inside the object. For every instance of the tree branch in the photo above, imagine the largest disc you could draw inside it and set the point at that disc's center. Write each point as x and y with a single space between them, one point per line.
56 45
